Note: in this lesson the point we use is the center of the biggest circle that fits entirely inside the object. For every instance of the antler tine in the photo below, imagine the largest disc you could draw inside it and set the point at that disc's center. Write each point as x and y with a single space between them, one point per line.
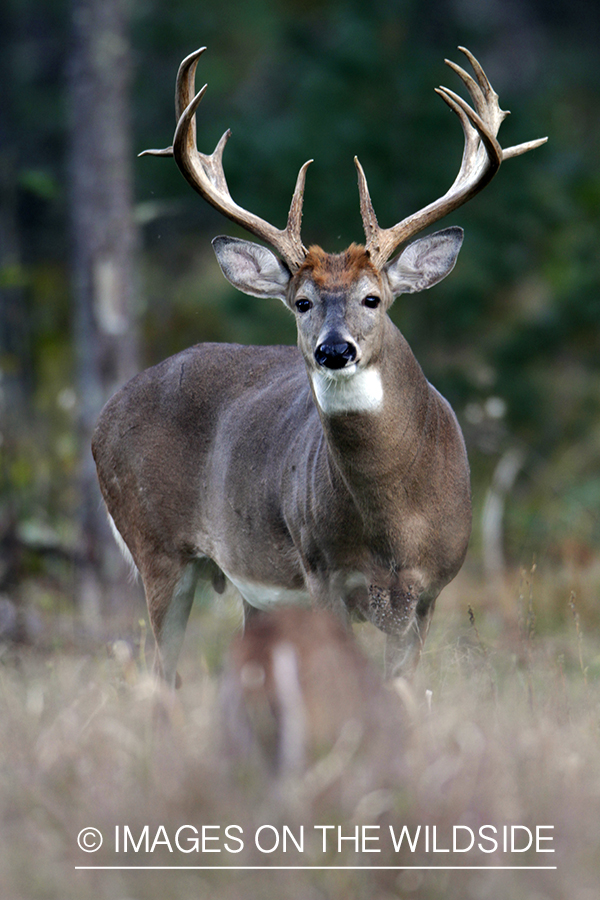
186 81
478 137
481 160
482 93
206 174
520 149
184 91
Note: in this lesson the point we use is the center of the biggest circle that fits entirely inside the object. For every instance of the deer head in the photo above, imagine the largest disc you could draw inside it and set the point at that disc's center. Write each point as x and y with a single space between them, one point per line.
340 300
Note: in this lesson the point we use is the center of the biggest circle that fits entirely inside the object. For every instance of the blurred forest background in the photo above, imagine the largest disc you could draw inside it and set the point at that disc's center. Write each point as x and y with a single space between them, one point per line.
106 265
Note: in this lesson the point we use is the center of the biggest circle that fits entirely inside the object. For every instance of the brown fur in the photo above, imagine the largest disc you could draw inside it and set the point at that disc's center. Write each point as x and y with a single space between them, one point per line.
327 694
336 270
227 453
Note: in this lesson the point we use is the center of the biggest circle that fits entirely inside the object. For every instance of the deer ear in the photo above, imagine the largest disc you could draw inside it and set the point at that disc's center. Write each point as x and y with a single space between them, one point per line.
251 268
424 262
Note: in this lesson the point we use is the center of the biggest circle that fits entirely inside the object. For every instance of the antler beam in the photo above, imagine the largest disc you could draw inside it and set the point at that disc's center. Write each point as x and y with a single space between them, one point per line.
481 160
205 173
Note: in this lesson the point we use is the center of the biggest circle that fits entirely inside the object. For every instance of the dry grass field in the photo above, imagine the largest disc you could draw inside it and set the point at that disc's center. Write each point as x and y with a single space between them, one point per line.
500 745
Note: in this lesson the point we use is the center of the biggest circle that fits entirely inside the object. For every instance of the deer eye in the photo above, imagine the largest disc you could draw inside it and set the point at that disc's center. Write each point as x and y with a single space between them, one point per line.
303 305
371 302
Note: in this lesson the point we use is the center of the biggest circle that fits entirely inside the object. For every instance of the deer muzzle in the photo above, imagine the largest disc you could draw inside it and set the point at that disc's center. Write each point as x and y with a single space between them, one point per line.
335 354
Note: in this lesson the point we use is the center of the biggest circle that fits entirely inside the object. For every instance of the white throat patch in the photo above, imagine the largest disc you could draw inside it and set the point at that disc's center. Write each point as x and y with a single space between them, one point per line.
348 390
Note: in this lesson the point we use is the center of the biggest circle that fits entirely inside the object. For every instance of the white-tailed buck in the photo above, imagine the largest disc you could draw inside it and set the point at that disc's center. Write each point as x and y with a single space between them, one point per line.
333 474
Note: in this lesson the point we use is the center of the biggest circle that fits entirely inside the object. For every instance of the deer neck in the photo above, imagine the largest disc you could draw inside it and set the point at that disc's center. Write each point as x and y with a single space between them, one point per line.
373 419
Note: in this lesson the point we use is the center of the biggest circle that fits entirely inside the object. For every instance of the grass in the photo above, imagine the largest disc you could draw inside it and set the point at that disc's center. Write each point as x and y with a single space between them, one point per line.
501 729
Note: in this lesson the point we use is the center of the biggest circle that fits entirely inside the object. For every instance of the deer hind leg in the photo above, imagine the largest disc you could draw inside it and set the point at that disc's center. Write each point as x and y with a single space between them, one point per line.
170 595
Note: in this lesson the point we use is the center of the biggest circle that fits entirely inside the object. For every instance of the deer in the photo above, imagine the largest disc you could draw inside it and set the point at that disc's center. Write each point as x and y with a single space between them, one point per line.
331 474
299 696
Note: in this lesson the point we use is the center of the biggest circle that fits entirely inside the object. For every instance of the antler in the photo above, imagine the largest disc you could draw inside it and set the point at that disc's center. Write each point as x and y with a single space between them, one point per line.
206 175
481 160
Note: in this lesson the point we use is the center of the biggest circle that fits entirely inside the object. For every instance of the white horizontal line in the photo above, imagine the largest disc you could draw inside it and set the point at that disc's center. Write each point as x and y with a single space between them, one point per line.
319 868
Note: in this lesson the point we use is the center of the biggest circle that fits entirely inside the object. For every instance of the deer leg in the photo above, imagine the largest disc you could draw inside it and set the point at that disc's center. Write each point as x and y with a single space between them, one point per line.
403 649
403 611
330 594
250 612
170 597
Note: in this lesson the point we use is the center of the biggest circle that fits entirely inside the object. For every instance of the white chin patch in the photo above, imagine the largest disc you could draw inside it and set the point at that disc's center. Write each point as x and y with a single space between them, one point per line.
349 390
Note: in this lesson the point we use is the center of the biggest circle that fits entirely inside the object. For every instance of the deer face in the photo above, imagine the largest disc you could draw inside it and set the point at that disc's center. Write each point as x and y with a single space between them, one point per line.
340 302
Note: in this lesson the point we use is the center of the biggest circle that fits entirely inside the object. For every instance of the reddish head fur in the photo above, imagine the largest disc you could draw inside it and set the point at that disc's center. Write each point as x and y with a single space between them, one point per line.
336 270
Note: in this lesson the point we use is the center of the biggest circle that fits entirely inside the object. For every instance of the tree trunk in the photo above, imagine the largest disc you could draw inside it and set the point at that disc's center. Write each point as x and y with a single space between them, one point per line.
103 251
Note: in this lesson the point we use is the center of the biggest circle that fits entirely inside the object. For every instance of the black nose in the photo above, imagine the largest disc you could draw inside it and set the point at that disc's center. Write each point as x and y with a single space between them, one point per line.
335 354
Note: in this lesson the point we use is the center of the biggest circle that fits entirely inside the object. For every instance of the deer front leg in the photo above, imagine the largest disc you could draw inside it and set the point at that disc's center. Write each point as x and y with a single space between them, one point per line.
404 615
403 650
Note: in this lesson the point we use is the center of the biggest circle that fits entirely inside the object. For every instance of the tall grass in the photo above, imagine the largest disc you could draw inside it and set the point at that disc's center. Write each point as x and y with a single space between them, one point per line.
501 730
